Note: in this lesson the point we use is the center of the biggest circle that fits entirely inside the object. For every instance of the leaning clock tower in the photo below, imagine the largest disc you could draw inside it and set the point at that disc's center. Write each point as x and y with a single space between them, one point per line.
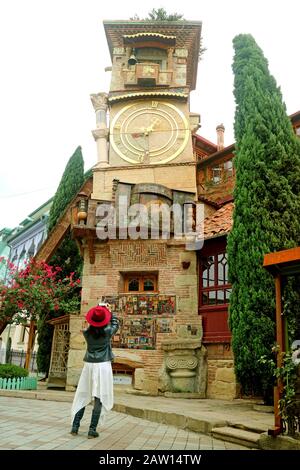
145 157
148 137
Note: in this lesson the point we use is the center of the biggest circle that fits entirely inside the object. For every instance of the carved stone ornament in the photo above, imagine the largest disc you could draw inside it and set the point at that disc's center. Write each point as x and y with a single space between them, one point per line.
181 52
184 369
118 50
179 362
99 101
100 134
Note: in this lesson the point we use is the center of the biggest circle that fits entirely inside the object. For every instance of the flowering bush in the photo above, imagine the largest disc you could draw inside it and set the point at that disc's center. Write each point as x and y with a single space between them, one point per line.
35 291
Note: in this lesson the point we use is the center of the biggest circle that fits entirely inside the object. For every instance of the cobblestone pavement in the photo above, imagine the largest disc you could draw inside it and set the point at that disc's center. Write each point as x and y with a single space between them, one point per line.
37 425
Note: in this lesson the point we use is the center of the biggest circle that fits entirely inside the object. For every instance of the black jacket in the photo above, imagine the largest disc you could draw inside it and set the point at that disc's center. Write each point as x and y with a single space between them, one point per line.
99 348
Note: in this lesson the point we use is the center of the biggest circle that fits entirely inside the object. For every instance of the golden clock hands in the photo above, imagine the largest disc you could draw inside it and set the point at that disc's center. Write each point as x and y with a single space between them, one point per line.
138 134
153 125
142 137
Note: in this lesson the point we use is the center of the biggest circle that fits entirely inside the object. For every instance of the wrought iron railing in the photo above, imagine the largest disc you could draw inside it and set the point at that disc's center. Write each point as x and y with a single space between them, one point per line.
291 425
18 358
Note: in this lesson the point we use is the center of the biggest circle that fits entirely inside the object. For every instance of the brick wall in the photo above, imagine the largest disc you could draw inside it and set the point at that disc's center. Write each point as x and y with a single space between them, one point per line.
104 278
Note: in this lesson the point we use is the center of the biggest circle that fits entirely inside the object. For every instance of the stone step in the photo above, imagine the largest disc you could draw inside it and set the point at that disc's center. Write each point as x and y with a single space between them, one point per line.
237 436
263 408
42 385
255 428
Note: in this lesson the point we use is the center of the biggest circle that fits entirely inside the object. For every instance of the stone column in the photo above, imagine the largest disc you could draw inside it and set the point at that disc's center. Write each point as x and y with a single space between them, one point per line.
184 370
100 134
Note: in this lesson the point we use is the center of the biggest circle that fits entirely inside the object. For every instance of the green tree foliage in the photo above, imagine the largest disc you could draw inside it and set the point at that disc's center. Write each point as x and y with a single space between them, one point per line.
159 14
267 208
70 183
67 256
45 343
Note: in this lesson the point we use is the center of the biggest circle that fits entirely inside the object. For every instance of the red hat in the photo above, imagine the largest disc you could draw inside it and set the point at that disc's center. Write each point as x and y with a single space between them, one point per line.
98 316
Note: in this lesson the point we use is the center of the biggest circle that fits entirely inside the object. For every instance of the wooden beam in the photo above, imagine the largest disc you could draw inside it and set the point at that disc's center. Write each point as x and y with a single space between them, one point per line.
284 256
60 230
281 349
30 344
54 239
91 247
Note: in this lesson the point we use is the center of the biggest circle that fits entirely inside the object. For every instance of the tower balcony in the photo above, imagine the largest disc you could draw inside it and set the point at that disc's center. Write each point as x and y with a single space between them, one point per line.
147 75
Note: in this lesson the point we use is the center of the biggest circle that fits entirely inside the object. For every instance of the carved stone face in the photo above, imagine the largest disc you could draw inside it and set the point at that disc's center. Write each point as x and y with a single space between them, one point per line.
149 132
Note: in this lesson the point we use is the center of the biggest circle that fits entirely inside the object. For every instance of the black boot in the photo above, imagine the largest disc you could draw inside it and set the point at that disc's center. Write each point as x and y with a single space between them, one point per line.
76 422
94 422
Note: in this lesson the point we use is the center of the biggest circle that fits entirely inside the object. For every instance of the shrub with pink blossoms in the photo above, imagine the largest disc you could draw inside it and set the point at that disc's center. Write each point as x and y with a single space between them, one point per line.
37 291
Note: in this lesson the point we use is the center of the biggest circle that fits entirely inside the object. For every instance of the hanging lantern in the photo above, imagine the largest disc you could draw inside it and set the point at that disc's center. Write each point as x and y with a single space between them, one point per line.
82 211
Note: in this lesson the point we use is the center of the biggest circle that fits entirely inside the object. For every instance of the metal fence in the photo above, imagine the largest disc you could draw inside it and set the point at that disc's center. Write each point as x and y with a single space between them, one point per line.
18 358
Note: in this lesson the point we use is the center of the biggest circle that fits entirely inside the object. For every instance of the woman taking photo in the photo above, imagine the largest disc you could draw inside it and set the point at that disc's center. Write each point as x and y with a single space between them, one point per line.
96 379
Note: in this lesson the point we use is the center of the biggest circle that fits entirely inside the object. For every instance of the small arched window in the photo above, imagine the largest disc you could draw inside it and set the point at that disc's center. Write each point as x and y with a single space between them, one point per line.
148 285
133 285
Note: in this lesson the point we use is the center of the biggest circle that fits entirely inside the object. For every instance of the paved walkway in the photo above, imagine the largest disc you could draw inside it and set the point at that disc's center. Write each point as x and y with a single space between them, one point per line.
41 424
200 415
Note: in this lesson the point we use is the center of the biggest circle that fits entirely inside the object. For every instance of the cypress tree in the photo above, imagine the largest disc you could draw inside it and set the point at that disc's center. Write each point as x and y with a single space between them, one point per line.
266 214
45 332
70 183
67 255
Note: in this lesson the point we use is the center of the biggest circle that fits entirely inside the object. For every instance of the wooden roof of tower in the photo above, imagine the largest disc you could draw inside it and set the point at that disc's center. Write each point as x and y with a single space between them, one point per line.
62 226
188 36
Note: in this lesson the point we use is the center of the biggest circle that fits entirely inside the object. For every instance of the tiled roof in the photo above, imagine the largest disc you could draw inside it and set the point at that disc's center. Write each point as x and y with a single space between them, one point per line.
202 147
146 35
146 94
220 223
209 201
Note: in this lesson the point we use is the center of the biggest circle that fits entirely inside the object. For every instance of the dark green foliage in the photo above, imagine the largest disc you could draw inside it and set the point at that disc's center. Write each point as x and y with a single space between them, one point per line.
70 183
45 333
88 174
291 308
267 208
9 371
161 15
67 256
8 349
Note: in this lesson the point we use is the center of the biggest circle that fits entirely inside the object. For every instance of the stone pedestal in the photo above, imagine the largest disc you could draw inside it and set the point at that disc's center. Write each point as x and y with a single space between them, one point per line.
184 368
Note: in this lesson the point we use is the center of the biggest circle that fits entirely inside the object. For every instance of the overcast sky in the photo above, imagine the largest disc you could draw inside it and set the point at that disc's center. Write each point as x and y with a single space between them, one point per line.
53 54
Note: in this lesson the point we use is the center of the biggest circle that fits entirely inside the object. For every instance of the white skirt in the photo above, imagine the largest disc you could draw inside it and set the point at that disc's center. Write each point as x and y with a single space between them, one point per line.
96 380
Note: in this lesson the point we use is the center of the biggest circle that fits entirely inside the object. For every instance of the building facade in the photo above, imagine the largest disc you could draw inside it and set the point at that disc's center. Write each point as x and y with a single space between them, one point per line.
21 244
149 154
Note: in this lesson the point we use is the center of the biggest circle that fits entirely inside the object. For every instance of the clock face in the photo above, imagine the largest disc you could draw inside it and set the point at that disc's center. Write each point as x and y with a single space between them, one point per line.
149 132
